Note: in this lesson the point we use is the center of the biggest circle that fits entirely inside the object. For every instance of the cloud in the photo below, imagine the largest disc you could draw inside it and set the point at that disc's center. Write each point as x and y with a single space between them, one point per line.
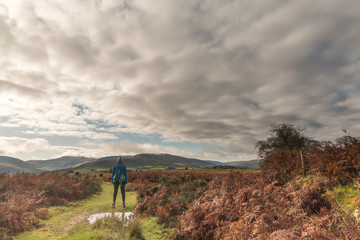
199 71
10 88
40 147
128 148
79 134
15 145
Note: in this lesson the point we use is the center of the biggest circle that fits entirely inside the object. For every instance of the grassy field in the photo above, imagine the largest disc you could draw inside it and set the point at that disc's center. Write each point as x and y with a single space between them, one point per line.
70 222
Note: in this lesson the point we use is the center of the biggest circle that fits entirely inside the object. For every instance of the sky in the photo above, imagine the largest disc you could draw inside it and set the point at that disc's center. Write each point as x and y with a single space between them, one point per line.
200 78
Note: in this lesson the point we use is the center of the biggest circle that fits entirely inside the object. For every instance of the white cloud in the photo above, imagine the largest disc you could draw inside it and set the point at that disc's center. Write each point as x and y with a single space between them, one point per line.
128 148
15 145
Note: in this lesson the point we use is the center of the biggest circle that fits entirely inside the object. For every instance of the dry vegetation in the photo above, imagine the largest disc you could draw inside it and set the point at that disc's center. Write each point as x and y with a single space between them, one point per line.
240 205
297 195
168 194
283 201
23 197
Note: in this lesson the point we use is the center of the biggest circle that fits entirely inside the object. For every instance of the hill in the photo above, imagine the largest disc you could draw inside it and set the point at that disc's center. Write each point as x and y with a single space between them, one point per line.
216 163
245 164
148 161
14 165
61 163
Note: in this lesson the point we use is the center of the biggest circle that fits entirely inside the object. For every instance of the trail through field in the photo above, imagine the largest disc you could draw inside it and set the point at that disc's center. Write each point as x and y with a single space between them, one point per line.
75 221
70 222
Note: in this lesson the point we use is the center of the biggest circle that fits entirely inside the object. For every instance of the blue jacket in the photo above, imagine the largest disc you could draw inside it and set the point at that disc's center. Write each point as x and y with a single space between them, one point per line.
119 173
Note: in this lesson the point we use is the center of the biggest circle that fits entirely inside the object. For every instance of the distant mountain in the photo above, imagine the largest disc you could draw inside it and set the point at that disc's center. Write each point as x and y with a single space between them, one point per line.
113 158
61 163
216 163
255 164
145 160
15 165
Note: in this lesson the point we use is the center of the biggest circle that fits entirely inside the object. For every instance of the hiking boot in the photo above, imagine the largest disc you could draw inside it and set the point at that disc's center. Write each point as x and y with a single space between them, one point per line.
113 205
123 204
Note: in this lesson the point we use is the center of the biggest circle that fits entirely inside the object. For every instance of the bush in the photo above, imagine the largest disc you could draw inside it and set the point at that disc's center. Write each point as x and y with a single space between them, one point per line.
283 136
288 153
167 195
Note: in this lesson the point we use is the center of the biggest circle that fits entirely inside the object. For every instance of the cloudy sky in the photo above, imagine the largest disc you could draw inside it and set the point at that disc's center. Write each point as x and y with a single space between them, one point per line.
200 78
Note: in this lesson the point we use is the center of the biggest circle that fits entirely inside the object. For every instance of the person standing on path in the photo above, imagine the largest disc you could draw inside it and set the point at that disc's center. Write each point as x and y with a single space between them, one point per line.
119 178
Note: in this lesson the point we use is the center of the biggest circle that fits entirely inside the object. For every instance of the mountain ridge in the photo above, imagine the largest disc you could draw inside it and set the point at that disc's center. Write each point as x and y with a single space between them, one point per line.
255 164
14 165
148 160
63 162
138 161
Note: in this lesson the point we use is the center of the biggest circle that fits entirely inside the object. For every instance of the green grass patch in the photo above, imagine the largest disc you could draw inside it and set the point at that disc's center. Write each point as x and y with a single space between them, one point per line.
70 222
152 230
107 228
347 197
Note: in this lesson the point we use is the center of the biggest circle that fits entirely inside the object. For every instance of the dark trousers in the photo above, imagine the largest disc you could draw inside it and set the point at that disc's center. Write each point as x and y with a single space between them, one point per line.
116 188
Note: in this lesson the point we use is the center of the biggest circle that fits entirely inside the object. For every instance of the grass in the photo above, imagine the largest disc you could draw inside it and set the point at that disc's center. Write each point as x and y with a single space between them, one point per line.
70 222
347 197
152 230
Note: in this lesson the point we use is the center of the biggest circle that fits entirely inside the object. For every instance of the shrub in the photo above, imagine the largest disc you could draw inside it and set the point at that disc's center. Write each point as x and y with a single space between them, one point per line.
167 195
283 136
288 153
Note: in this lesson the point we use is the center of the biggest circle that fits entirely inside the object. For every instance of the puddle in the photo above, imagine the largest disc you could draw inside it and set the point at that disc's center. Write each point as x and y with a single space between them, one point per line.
127 217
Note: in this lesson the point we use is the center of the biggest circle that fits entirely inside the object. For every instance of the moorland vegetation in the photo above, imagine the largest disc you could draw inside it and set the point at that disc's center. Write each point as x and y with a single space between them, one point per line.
306 189
24 197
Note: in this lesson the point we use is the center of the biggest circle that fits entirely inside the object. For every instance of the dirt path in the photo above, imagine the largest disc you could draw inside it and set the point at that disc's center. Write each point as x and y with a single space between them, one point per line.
70 222
76 220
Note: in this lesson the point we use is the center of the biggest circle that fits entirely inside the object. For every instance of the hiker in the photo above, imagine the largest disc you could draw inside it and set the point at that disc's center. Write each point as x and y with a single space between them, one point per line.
119 178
